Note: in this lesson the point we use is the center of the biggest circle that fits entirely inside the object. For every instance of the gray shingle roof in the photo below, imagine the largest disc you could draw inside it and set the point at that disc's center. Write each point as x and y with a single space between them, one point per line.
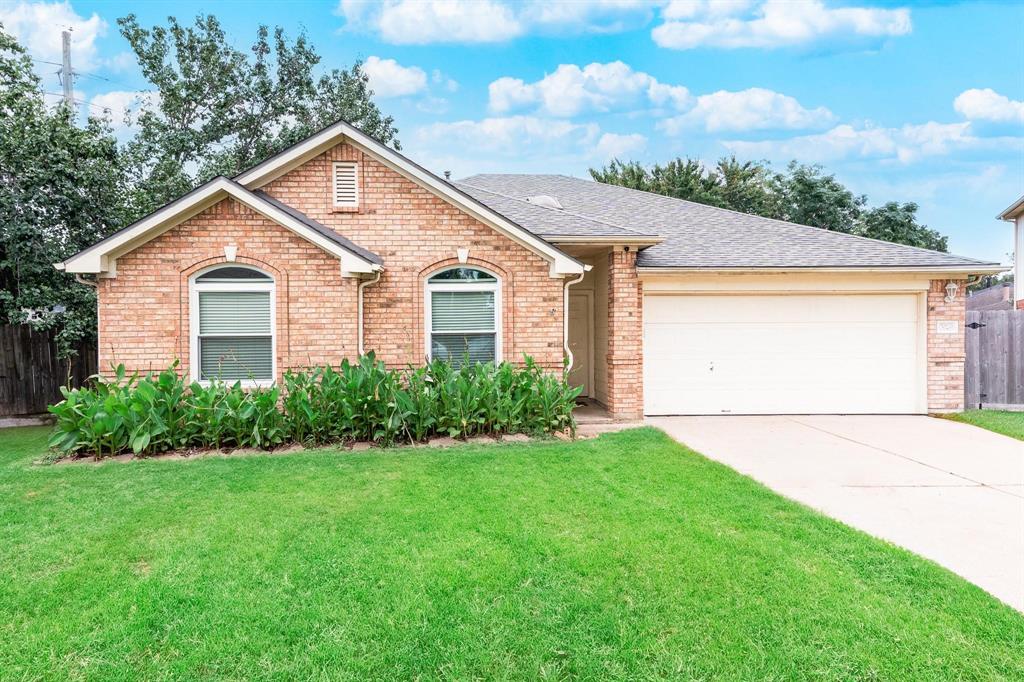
544 222
696 235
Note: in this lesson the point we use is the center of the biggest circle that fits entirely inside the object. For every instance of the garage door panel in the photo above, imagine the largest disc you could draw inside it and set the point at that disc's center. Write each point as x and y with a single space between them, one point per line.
782 354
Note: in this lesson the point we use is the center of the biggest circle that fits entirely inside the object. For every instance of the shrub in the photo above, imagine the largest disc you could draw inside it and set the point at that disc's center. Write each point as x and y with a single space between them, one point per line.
357 401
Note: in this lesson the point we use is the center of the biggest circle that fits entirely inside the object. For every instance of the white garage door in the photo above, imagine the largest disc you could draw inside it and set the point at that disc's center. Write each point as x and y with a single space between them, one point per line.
772 354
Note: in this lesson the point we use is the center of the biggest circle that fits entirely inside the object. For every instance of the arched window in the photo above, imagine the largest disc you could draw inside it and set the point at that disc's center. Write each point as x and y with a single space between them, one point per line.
232 319
463 316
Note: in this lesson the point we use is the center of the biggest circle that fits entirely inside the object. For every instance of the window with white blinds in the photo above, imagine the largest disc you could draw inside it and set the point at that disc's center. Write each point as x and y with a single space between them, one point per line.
346 184
462 316
233 325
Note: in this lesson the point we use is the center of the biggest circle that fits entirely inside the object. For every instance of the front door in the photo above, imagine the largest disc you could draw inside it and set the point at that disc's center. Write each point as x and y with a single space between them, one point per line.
580 326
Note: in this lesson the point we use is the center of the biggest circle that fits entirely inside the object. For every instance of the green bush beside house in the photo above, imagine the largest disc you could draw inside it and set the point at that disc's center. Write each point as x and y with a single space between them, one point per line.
360 401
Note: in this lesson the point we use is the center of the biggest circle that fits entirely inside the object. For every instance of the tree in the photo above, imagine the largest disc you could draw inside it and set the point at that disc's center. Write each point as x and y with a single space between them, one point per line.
894 222
749 187
801 194
216 110
60 191
810 197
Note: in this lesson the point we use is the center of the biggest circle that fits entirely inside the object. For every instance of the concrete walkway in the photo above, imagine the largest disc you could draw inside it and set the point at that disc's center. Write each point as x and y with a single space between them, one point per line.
951 492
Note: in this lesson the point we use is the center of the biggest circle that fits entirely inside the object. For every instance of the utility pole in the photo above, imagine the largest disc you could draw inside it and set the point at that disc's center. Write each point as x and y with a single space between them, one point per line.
67 75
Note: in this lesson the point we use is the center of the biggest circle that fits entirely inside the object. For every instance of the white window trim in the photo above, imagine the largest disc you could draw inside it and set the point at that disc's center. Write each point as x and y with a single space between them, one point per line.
195 287
495 286
334 183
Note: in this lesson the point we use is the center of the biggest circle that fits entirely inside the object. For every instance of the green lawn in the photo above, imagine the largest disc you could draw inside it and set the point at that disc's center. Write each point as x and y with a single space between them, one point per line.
624 557
1007 423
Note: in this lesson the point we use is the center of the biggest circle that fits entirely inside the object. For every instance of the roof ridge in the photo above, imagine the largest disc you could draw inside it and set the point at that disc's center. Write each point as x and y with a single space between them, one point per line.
781 222
563 210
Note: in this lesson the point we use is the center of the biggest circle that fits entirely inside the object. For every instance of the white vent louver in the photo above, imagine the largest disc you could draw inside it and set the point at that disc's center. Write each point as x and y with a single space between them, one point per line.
346 185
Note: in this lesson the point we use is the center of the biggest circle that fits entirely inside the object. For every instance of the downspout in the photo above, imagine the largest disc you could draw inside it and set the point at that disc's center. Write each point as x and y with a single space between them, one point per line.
359 315
565 320
86 282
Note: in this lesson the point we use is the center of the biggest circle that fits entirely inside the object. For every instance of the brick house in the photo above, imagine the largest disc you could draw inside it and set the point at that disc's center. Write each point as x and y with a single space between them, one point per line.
339 245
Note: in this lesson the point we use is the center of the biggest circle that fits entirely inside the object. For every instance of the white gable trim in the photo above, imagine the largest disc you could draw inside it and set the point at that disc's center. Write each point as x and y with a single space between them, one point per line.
101 258
561 263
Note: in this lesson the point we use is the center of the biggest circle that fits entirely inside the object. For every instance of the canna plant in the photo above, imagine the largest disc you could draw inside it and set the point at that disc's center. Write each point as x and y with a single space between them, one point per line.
362 400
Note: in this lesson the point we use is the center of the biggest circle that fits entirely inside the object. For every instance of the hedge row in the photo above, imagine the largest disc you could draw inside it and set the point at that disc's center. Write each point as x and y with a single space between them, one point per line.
356 401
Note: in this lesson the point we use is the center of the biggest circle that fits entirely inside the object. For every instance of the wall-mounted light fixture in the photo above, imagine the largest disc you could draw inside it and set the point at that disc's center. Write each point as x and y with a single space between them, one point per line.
951 290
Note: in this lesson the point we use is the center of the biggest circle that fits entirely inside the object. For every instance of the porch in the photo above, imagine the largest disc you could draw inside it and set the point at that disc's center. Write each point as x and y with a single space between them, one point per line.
605 334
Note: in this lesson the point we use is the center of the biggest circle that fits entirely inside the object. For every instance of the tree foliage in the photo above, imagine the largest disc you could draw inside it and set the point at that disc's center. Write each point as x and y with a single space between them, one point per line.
216 110
803 194
212 109
60 191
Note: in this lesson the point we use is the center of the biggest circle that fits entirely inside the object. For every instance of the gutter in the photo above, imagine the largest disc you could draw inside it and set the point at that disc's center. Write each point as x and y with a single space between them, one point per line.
613 241
980 269
359 314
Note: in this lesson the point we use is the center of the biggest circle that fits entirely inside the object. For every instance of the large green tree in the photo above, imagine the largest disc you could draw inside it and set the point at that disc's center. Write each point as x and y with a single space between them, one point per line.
803 194
60 191
215 109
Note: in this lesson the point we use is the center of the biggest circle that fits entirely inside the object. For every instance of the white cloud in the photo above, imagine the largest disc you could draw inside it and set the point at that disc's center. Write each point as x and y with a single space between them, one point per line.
118 104
905 144
773 24
752 109
988 105
613 146
416 22
439 79
388 78
37 26
571 90
510 134
421 22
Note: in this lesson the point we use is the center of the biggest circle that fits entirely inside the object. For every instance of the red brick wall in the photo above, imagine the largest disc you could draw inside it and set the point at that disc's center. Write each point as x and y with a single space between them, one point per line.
416 233
144 311
625 336
946 352
144 318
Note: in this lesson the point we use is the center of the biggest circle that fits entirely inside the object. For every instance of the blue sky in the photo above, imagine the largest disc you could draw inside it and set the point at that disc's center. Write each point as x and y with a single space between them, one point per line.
902 101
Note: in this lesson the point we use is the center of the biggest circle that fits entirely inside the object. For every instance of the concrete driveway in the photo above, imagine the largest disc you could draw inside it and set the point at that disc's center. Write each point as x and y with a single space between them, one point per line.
948 491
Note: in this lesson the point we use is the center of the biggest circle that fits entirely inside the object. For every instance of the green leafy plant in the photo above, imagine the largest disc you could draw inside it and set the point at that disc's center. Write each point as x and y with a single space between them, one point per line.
362 400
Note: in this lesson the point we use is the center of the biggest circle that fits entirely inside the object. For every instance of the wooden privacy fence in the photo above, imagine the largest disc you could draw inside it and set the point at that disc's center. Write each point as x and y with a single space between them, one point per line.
31 374
994 374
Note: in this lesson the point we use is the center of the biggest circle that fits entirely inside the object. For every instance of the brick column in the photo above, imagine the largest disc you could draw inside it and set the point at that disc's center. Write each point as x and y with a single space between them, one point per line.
625 337
946 351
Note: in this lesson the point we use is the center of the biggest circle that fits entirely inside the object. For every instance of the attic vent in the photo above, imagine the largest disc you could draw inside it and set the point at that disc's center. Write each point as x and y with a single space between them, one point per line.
346 185
544 200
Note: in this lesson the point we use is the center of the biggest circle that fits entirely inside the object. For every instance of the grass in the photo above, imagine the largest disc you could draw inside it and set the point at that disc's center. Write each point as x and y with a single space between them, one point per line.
623 557
1007 423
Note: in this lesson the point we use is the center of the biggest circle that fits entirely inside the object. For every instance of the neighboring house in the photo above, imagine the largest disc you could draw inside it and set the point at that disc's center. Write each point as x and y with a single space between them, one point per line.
340 245
1015 214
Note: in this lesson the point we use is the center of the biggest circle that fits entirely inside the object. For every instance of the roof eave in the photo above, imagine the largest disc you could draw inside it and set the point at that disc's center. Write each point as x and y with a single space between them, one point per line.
100 257
1013 211
604 240
561 263
967 269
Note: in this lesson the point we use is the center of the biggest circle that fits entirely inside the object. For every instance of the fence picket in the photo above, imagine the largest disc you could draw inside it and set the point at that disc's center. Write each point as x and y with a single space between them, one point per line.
31 374
994 371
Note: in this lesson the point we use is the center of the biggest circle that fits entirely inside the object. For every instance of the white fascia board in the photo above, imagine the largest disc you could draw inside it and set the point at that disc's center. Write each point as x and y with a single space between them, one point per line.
101 257
561 263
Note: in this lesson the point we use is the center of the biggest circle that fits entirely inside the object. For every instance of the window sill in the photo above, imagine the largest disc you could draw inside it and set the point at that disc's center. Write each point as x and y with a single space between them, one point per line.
246 383
345 209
